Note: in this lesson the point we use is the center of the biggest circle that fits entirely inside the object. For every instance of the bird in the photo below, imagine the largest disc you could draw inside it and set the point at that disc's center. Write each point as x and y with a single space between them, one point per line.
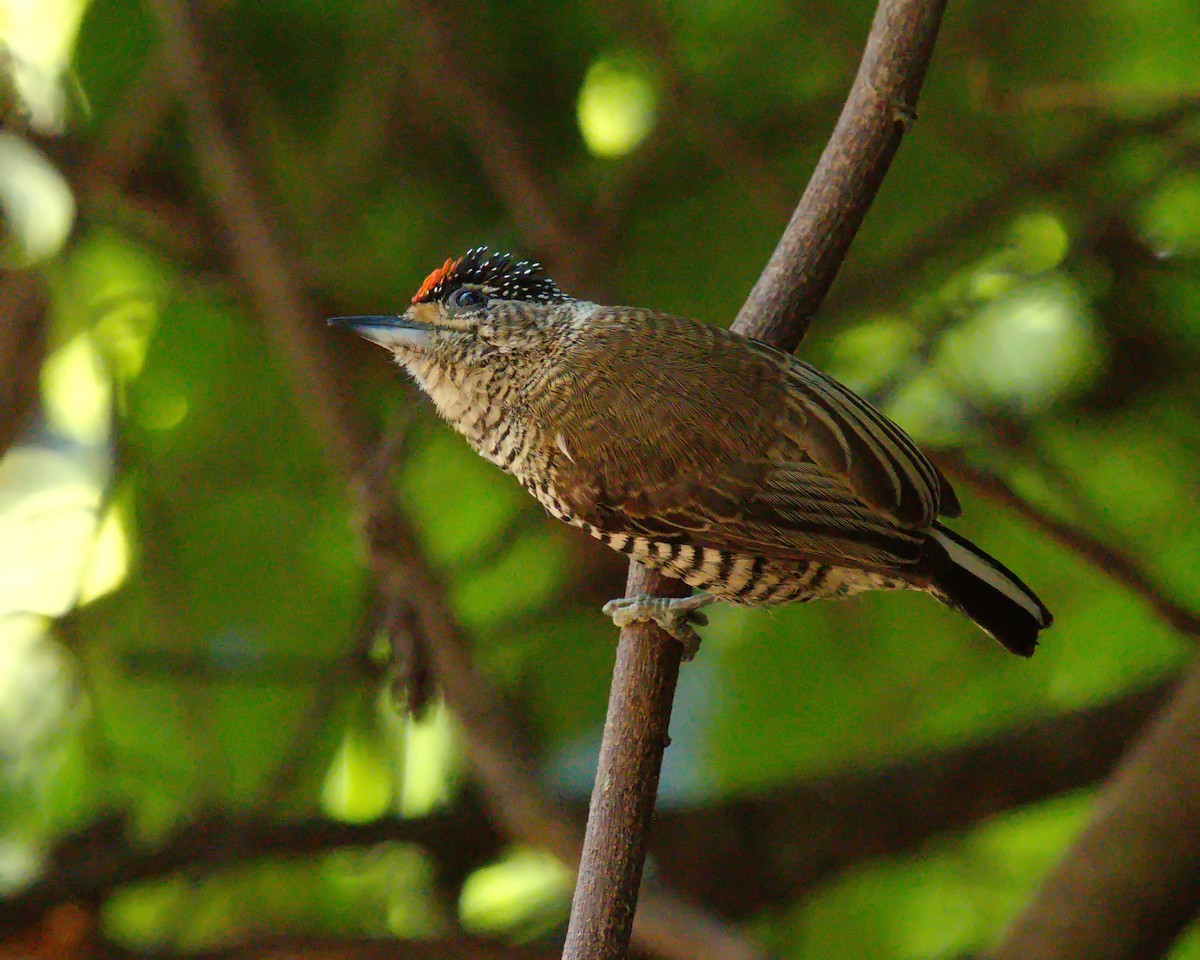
713 458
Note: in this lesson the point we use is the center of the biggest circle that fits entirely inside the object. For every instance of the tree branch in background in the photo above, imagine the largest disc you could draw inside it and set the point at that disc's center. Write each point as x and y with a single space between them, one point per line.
737 857
1130 884
881 104
877 284
23 304
1120 566
645 27
501 153
314 948
91 866
743 856
397 563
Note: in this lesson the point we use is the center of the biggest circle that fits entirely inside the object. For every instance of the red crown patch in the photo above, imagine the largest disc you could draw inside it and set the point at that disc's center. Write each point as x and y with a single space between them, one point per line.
436 277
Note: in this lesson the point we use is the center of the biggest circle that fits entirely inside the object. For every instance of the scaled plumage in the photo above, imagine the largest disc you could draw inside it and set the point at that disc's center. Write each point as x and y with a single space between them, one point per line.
716 459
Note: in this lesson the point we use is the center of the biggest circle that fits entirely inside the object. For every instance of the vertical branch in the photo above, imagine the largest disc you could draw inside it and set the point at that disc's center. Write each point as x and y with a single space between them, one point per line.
23 301
879 109
631 752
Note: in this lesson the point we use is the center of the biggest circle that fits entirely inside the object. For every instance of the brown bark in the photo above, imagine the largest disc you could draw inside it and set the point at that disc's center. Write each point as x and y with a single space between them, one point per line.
1131 883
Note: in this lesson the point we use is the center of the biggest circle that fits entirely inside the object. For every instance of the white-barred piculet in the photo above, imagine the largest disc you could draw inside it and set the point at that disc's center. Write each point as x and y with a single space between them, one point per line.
713 458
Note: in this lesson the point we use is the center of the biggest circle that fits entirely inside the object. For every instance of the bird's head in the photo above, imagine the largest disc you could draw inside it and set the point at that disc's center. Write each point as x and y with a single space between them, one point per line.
467 313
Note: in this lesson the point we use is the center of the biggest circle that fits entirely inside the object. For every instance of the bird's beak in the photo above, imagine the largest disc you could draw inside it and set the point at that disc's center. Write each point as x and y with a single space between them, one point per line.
394 333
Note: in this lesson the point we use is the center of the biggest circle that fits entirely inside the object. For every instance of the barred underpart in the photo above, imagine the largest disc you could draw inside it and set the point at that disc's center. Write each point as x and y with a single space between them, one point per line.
745 579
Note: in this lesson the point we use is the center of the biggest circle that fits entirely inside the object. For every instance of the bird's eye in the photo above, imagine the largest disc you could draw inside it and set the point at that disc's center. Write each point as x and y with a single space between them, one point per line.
464 298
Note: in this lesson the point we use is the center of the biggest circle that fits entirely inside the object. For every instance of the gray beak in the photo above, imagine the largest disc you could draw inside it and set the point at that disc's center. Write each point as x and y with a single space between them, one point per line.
394 333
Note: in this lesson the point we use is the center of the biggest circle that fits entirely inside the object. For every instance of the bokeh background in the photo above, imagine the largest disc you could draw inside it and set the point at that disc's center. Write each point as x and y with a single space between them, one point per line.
234 544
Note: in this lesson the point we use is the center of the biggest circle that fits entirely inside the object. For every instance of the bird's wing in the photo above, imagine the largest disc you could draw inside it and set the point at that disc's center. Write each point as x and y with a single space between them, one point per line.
702 437
854 441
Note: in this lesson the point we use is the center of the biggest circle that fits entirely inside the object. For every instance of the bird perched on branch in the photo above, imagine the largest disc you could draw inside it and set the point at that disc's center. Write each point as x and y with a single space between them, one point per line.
713 458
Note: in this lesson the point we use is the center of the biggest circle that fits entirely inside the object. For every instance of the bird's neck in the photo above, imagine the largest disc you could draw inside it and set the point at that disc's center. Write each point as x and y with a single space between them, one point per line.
483 403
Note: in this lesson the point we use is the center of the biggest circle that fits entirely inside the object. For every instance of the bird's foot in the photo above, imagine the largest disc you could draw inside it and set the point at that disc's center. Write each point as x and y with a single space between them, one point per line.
674 614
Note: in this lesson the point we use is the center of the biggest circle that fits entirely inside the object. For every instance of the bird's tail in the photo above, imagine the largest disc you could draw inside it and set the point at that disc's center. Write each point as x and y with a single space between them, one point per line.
967 580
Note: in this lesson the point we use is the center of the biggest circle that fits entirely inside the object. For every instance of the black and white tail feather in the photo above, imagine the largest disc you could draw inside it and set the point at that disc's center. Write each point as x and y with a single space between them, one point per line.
978 585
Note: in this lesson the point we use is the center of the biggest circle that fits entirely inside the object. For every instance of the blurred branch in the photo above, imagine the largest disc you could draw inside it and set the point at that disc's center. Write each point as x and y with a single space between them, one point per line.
320 393
737 857
1064 95
645 26
499 148
370 85
746 855
315 948
130 135
397 563
494 740
877 112
23 304
1120 566
89 867
877 284
1130 884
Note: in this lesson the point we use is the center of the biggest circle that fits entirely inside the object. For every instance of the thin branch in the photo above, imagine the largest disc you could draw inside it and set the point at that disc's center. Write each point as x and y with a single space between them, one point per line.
23 305
743 856
1130 884
631 752
737 857
318 948
881 104
1123 568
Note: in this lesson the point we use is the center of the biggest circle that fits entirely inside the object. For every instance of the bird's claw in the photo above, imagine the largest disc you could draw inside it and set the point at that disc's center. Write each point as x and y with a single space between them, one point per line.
674 615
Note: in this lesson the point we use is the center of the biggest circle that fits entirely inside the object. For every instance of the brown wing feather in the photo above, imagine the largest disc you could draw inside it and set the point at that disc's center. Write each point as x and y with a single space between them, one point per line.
853 440
768 457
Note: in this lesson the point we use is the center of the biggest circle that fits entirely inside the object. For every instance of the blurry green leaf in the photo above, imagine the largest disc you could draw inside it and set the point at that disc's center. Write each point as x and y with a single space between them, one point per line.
37 696
949 899
459 501
865 355
1027 350
49 512
108 562
358 786
617 105
111 289
38 38
429 758
77 392
37 205
1171 217
1040 242
528 890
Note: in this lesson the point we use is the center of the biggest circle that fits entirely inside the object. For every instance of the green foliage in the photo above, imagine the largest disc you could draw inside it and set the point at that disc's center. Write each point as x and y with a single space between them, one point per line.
186 599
